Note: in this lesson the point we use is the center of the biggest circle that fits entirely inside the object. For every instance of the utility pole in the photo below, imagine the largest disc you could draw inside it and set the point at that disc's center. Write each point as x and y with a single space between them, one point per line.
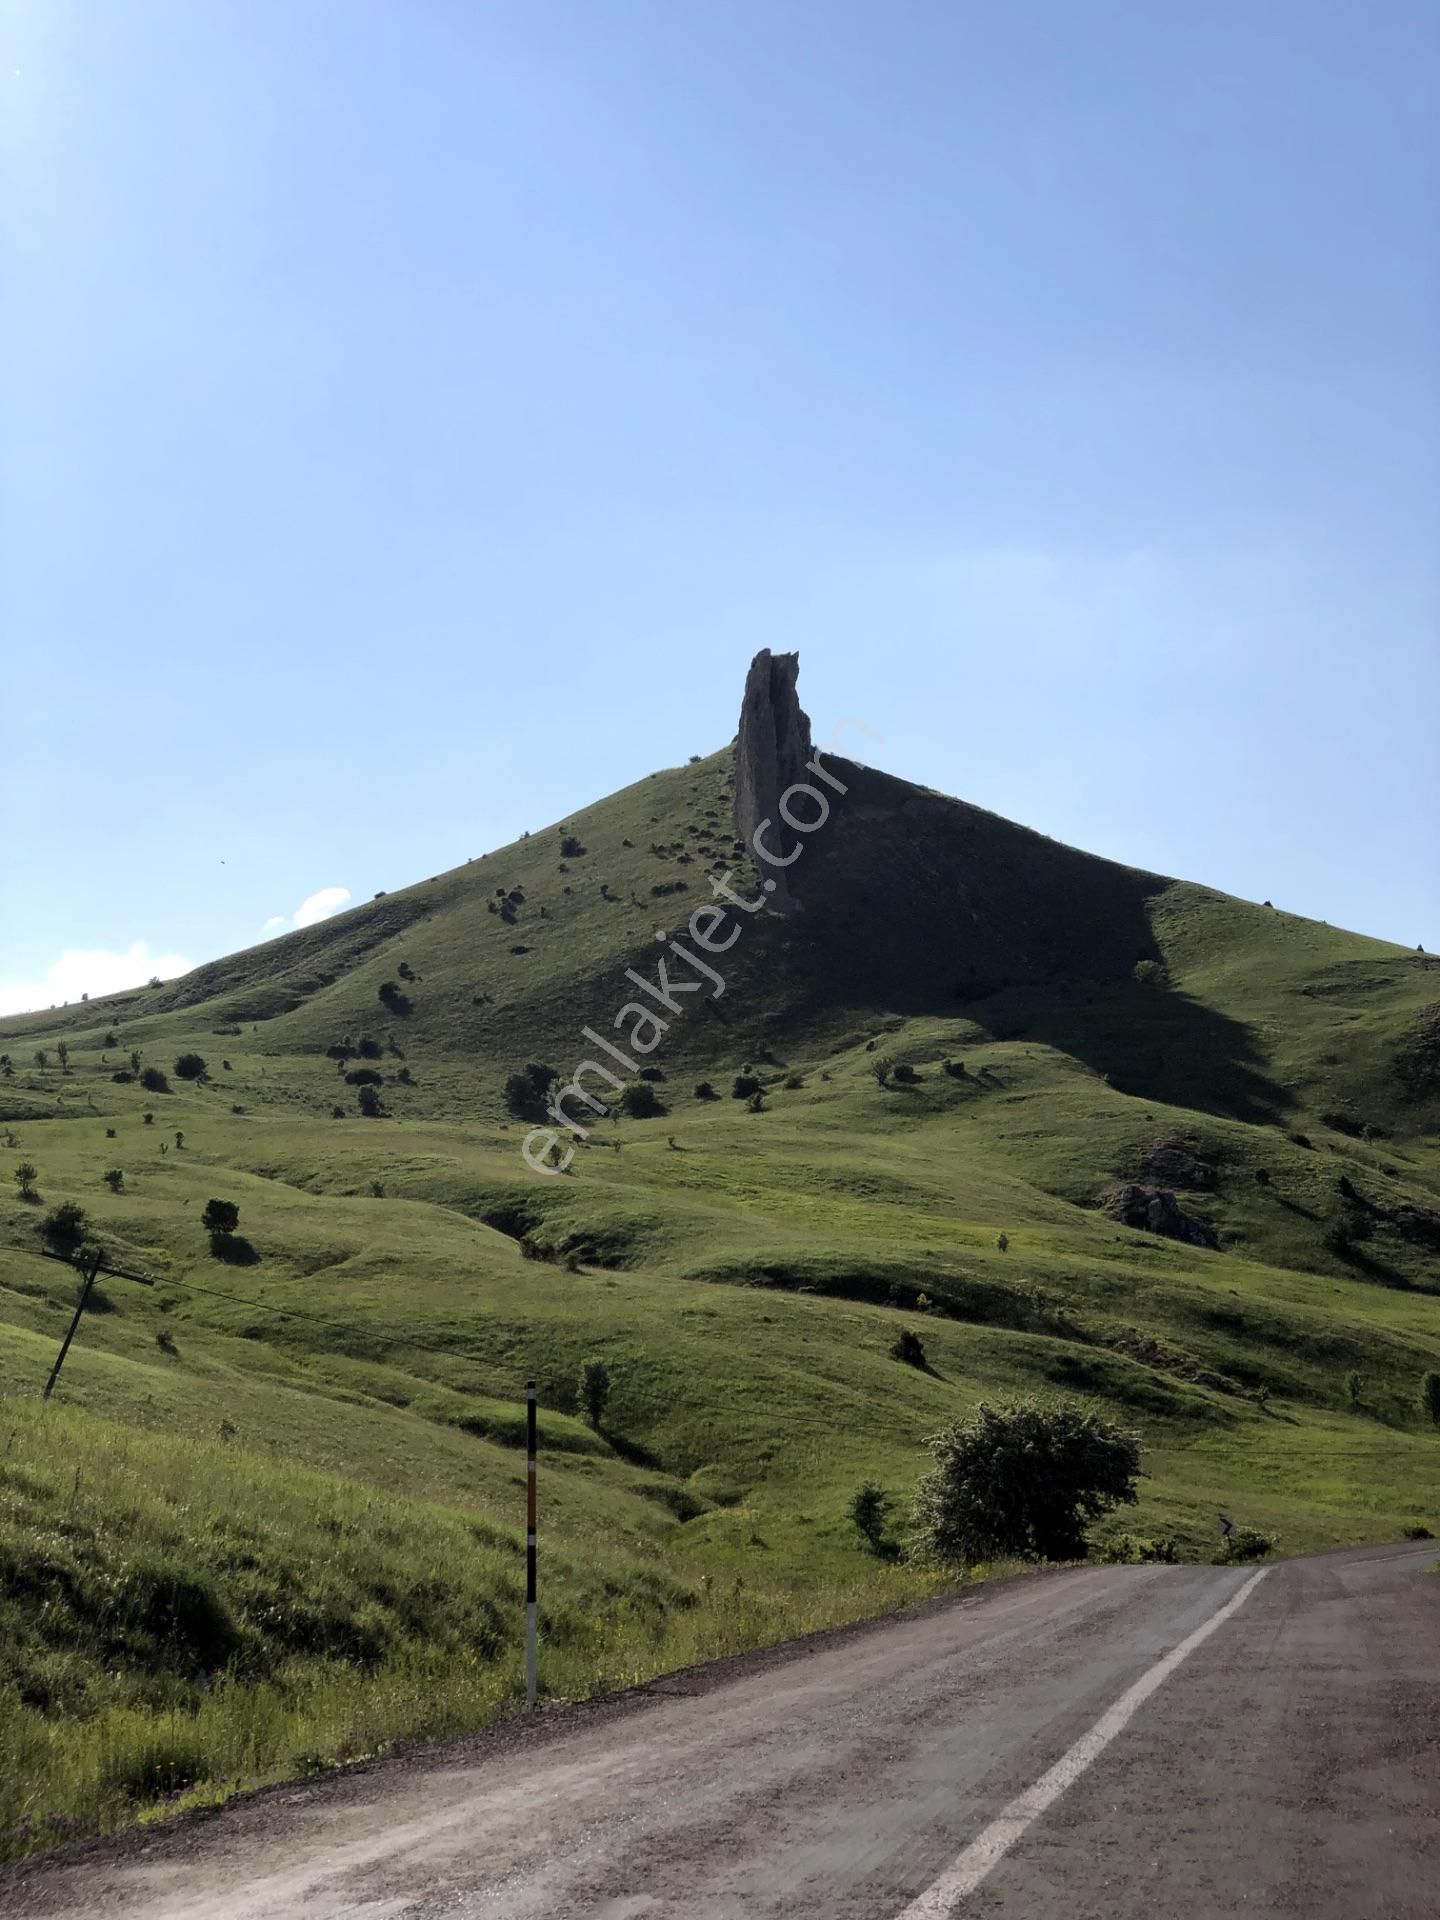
530 1651
97 1266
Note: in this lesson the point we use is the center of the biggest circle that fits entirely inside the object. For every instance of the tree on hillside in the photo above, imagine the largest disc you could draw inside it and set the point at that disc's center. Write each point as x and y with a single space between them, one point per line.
594 1389
115 1179
64 1227
62 1054
154 1081
1023 1479
372 1107
26 1174
1430 1395
870 1512
639 1100
42 1058
220 1219
190 1066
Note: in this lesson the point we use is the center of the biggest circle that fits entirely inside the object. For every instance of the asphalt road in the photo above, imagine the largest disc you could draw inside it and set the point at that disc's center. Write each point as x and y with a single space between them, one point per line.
1116 1742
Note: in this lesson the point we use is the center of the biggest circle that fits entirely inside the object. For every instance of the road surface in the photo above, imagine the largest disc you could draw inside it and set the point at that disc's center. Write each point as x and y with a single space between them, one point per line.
1117 1742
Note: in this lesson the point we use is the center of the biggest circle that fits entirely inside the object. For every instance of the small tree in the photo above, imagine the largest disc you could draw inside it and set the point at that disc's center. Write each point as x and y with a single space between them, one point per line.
870 1511
744 1087
1430 1395
179 1138
135 1060
1003 1243
1354 1387
371 1105
42 1058
154 1081
189 1066
882 1066
640 1101
1023 1479
115 1179
62 1054
220 1219
704 1091
594 1389
64 1227
26 1174
909 1347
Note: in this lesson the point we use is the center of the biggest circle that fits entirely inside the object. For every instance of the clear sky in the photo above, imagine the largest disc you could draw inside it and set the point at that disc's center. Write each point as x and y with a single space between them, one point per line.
414 415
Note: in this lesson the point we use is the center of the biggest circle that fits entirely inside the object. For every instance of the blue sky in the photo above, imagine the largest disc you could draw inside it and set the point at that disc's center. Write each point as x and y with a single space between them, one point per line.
413 416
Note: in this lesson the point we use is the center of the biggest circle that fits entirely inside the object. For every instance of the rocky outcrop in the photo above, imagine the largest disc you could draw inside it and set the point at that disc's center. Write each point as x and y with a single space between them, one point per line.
771 749
1154 1210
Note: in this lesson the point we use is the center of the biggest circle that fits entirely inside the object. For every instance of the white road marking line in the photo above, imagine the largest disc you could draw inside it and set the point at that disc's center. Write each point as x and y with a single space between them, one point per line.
985 1852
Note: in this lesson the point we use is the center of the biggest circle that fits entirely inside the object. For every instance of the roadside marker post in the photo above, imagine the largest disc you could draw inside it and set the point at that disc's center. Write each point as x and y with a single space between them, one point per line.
530 1675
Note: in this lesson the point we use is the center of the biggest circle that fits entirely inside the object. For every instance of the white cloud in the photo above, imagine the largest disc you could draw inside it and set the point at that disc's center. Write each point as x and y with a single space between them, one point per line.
92 970
315 906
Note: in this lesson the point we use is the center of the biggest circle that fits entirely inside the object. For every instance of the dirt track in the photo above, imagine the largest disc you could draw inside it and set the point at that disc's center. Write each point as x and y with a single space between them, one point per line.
1015 1754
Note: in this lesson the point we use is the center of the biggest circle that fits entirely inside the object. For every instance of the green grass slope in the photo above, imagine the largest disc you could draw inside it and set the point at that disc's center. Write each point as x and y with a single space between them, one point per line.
271 1519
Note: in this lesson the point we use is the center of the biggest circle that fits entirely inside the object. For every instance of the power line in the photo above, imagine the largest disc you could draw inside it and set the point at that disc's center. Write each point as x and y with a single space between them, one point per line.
262 1306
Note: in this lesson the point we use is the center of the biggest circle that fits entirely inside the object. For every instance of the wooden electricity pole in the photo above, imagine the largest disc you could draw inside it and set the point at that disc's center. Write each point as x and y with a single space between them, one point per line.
97 1266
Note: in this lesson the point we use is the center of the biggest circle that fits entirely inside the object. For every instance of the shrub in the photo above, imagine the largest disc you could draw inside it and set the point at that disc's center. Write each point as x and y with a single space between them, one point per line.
570 847
149 1119
1141 1549
756 1103
909 1347
1416 1532
1003 1242
794 1081
154 1081
377 1189
1430 1396
393 1000
109 1133
365 1077
1023 1479
110 1040
62 1054
405 1077
1354 1387
337 1113
26 1174
369 1048
905 1073
42 1058
640 1101
123 1078
744 1087
704 1091
1245 1543
594 1389
115 1179
1151 973
65 1226
372 1107
882 1066
870 1513
189 1066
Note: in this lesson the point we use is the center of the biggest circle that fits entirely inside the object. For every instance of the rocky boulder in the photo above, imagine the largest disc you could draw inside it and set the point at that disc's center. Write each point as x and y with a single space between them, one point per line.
1155 1210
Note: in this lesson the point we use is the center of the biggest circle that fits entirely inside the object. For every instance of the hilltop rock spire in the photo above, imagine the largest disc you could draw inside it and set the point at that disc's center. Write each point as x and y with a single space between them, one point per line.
771 749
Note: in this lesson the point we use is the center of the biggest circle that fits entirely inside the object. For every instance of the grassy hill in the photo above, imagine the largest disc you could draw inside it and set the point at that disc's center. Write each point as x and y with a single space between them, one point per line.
272 1518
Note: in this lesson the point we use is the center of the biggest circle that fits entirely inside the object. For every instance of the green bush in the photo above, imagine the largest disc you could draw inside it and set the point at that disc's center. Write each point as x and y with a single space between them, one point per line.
154 1081
1022 1480
870 1514
640 1101
1246 1543
189 1066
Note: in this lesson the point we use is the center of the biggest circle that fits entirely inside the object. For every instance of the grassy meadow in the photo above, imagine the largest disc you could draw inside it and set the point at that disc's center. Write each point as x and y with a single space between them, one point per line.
271 1520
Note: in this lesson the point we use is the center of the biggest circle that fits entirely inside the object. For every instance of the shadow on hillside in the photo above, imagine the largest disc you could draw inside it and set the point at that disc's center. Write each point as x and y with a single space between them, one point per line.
921 905
1154 1043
